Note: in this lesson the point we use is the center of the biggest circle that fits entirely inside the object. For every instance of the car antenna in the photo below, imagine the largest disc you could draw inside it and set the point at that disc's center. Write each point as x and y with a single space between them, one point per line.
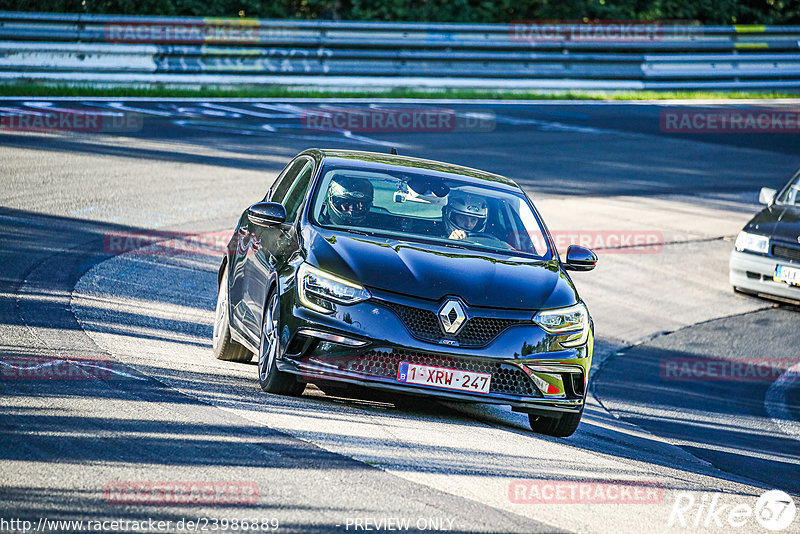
394 151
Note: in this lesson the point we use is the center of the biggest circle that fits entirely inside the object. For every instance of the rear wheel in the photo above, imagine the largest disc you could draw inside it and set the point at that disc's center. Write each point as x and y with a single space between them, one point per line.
561 426
224 347
270 378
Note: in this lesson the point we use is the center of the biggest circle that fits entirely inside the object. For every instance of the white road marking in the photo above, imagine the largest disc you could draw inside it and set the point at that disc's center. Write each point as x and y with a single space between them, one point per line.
48 106
122 107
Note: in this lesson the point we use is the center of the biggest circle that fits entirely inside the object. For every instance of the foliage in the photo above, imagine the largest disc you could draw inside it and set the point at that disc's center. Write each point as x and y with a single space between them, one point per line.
719 12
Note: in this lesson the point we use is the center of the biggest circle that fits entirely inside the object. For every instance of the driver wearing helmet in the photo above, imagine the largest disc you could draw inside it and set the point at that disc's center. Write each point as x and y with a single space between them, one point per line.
349 200
464 214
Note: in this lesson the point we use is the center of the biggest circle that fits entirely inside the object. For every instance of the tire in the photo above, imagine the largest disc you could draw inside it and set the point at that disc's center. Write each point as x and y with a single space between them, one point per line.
270 378
561 427
224 347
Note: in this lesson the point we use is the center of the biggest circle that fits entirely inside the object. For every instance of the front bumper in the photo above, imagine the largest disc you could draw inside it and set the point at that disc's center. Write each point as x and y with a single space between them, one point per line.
753 273
514 357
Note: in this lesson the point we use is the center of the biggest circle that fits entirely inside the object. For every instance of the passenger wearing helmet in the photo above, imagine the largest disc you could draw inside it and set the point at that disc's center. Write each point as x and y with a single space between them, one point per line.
464 214
349 200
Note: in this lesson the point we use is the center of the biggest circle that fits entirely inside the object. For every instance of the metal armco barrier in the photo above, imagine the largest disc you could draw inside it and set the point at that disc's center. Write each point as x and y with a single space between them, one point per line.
117 50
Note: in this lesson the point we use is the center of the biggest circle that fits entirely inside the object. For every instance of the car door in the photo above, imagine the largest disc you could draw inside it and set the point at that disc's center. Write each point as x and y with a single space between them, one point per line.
246 247
273 245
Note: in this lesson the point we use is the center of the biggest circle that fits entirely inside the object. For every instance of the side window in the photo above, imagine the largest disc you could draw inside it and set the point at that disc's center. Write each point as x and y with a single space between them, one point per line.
792 194
294 199
285 182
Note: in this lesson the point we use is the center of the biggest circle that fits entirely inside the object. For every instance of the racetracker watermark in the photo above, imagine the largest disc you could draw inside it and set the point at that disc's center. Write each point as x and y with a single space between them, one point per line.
606 241
143 524
715 370
774 510
68 120
155 243
210 30
533 31
585 492
40 368
181 492
730 121
398 119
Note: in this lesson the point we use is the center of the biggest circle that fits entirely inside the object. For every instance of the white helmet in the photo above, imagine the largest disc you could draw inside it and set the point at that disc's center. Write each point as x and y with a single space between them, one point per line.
464 212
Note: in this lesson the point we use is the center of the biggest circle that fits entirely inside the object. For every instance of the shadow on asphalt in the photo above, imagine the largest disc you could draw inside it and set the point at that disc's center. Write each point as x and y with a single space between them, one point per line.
39 238
704 388
630 160
28 235
25 234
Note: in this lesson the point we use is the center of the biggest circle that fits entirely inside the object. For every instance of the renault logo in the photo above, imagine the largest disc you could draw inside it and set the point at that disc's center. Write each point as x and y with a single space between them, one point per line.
452 316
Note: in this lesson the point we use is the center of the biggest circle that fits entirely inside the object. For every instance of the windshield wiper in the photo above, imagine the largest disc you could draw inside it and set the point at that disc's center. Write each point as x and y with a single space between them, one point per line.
360 232
451 245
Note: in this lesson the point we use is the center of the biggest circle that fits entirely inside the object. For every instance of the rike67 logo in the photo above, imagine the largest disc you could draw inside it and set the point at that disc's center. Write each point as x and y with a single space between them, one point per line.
774 510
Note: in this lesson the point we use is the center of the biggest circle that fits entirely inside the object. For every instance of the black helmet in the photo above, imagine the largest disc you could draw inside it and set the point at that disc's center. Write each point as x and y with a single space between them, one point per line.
462 205
349 200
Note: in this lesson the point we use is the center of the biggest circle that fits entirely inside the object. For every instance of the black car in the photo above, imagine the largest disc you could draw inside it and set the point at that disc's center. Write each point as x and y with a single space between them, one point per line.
410 276
766 258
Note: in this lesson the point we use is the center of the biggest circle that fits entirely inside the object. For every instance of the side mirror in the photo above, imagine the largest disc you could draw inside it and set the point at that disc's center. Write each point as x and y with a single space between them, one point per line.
580 259
266 213
767 196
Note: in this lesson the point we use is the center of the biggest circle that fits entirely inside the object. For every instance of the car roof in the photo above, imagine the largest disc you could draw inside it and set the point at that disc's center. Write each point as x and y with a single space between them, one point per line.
379 161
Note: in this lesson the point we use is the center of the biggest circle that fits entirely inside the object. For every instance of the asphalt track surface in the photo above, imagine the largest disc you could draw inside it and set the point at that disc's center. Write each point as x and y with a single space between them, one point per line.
167 411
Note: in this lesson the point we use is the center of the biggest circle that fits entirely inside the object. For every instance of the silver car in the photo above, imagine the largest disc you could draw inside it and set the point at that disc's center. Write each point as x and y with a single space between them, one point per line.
766 257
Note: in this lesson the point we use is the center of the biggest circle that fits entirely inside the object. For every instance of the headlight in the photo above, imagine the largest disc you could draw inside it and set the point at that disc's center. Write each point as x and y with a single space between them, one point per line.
572 321
316 289
752 242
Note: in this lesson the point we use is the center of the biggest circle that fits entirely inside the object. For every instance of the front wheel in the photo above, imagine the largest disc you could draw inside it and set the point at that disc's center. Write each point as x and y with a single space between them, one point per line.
561 426
270 378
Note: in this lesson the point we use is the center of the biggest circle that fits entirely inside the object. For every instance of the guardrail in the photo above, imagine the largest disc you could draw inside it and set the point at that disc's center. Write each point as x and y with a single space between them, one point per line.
116 50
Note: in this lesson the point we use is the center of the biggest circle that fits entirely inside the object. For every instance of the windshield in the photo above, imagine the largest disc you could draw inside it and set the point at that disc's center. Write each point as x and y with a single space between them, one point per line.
413 206
791 195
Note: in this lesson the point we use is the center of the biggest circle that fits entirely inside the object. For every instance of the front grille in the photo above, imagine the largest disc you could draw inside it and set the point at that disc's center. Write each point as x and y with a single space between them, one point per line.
481 330
506 378
788 253
424 324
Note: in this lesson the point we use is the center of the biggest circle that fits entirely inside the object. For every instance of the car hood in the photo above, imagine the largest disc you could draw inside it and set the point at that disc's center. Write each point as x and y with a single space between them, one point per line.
781 223
432 272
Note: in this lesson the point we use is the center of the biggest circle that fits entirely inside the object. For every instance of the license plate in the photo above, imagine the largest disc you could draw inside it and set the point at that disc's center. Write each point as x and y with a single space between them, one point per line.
787 274
442 377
